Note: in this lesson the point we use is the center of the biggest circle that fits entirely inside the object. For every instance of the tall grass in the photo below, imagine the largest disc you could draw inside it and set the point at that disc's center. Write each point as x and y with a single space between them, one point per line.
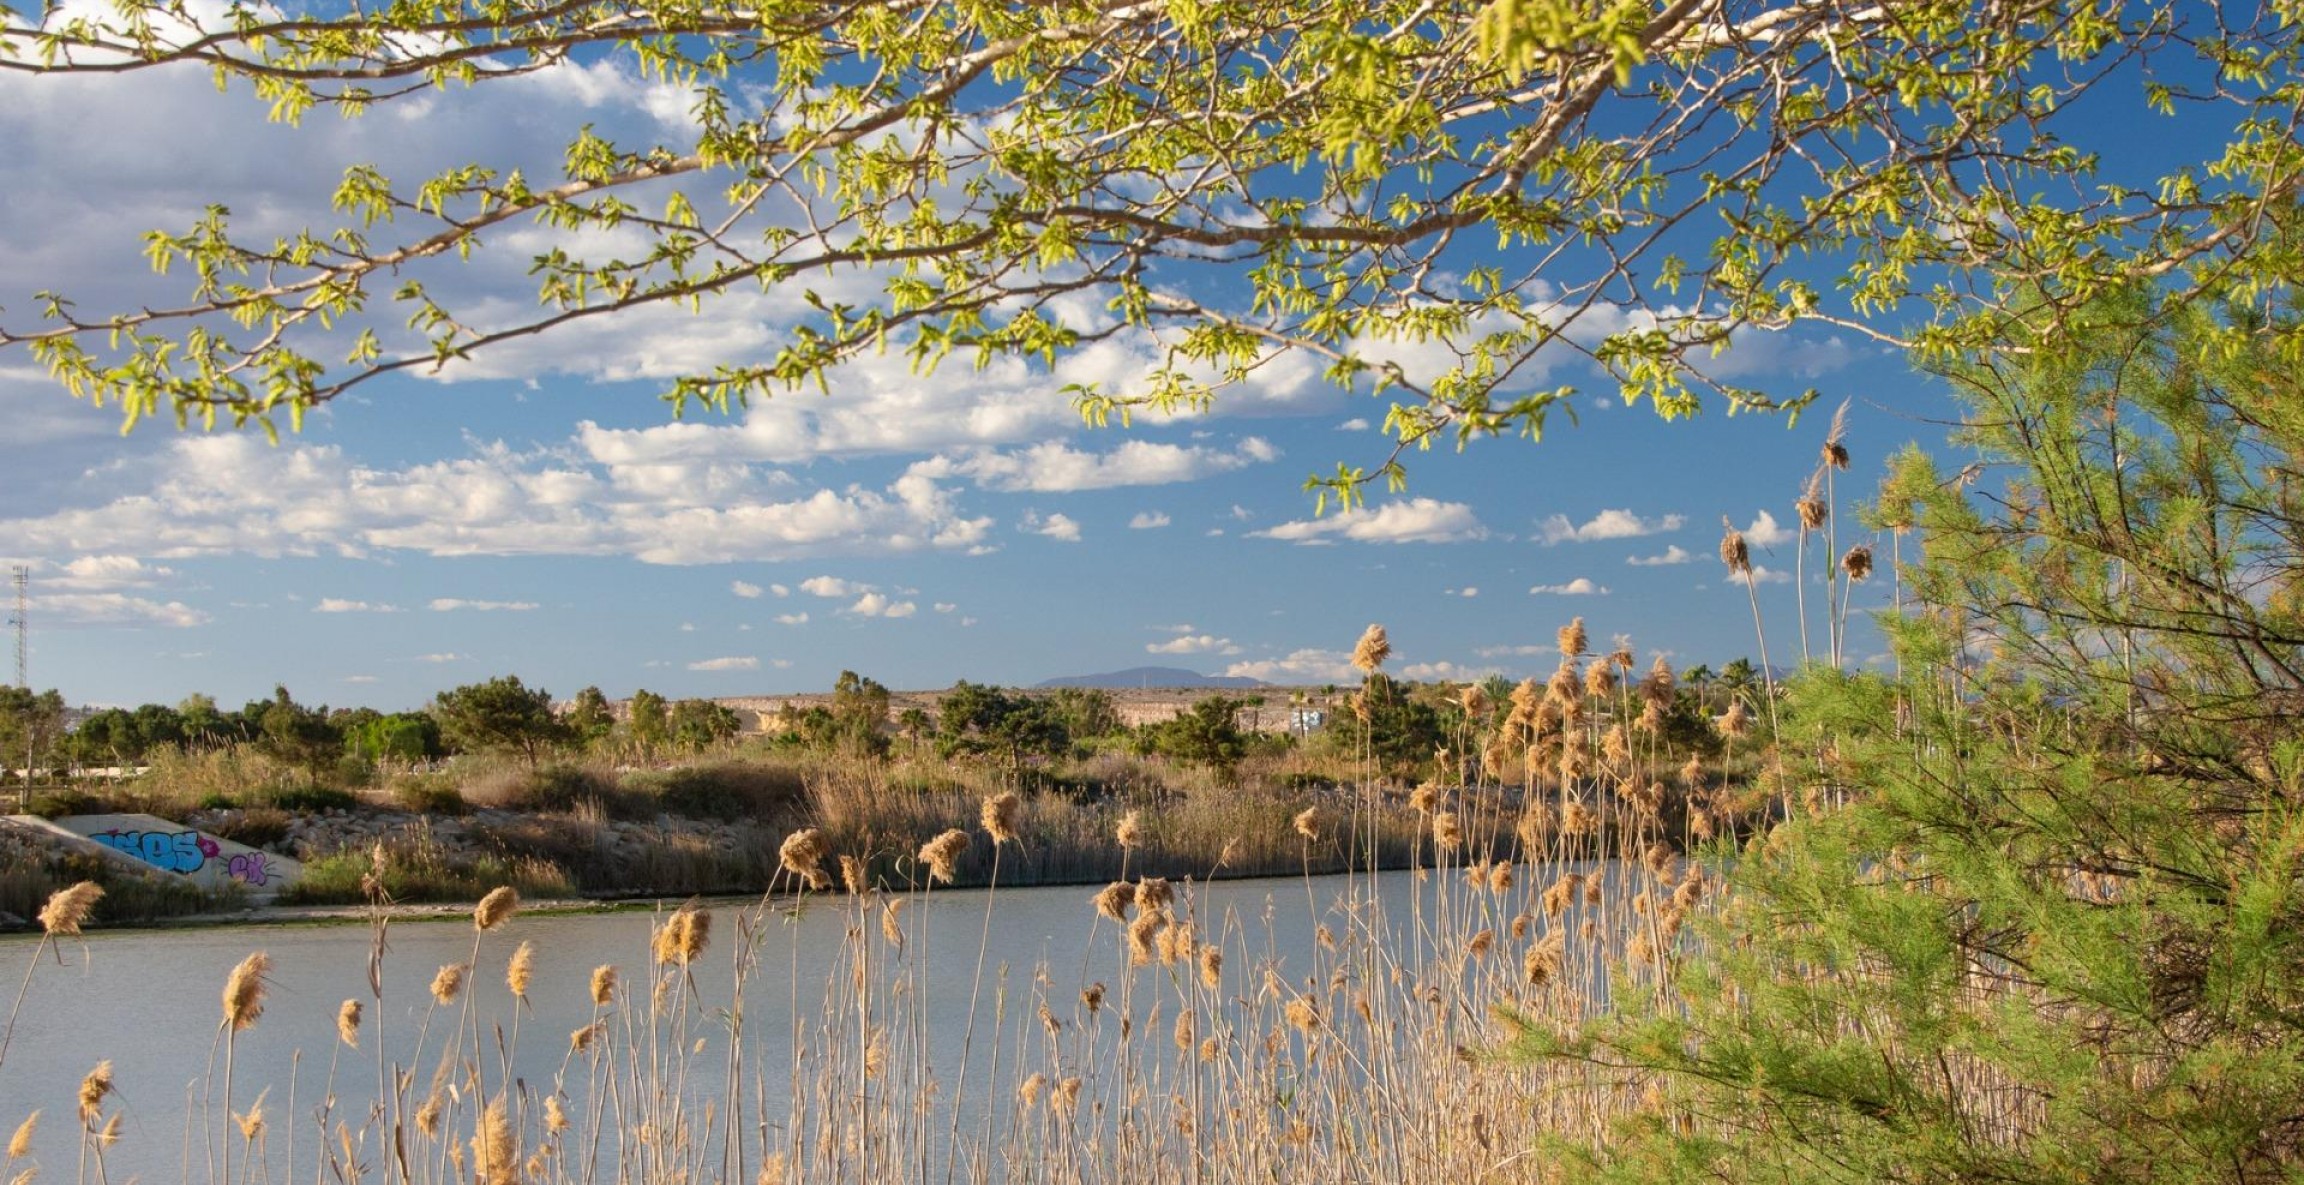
1184 1043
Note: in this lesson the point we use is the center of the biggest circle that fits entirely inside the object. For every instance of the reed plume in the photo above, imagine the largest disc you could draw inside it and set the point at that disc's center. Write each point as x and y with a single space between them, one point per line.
998 815
244 992
1572 638
1734 551
1308 822
1858 562
519 969
496 908
1447 831
604 985
802 855
853 877
20 1144
1130 832
682 937
1113 900
1373 648
348 1024
68 907
942 855
447 982
891 921
93 1088
495 1156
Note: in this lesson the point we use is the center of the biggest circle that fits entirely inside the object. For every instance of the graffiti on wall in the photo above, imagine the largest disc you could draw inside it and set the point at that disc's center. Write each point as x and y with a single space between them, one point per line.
186 852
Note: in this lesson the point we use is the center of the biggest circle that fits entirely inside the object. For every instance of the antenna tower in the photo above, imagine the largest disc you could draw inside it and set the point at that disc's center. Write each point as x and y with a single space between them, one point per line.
22 579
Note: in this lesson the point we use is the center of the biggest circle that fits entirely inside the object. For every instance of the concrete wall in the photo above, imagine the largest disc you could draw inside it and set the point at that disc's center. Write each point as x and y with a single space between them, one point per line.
174 847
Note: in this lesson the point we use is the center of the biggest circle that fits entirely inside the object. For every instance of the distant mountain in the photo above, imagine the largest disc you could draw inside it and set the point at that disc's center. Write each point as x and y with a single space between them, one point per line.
1153 677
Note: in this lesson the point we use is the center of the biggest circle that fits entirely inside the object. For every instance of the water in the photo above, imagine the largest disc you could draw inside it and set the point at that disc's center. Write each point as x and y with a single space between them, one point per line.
150 1001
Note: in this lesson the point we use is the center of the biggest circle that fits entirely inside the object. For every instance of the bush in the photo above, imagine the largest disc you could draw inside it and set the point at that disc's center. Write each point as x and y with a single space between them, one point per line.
725 791
426 796
552 788
257 826
54 804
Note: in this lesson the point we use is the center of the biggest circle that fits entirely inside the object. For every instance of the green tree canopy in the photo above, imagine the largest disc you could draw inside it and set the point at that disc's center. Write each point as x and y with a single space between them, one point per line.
1630 180
501 715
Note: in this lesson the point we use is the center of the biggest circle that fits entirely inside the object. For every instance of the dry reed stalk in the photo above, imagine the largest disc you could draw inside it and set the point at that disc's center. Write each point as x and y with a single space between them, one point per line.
68 908
998 815
891 925
244 992
1369 653
448 981
942 855
496 908
853 876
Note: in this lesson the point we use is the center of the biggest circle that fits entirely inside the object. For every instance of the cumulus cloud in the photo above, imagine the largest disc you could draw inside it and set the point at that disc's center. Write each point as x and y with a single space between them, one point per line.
360 678
1582 586
1765 531
101 609
1056 467
1300 666
745 589
1674 554
731 663
1466 592
1608 524
1417 520
791 619
1446 670
210 495
1193 644
99 573
946 607
452 604
873 604
1148 520
447 656
1060 527
780 590
828 586
340 605
1355 424
1760 574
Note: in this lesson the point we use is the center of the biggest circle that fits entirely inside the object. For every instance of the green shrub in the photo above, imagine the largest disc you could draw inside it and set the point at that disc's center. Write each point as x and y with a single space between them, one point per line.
257 826
426 796
725 791
54 804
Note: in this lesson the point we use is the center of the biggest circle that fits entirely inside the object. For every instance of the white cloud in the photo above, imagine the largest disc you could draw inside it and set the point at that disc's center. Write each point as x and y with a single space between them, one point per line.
1053 466
1300 666
874 604
1608 524
452 604
340 605
69 610
780 590
1059 527
1193 644
1766 532
1355 424
828 586
210 495
1527 651
449 656
946 607
1446 670
687 627
96 573
1674 554
1582 586
1467 592
1418 520
745 589
360 679
791 619
731 663
1760 574
1148 520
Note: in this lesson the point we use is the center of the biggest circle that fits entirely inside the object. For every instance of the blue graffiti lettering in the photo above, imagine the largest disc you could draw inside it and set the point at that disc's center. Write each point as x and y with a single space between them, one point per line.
177 851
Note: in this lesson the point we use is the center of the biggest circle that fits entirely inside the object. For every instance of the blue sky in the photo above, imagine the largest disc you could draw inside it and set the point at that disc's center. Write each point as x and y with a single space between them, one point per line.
539 513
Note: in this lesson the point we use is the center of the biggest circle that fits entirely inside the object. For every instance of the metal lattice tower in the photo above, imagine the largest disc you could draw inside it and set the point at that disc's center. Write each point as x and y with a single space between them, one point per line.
23 623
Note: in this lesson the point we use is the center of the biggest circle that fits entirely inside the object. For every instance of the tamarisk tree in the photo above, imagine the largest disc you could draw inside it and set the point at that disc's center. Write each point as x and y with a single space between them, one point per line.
1434 199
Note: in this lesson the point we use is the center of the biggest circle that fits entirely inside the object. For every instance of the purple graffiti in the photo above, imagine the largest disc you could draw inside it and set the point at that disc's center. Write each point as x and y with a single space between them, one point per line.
250 868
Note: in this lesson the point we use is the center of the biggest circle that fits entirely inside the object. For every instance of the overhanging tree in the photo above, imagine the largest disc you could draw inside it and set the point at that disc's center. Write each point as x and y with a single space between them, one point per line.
1485 182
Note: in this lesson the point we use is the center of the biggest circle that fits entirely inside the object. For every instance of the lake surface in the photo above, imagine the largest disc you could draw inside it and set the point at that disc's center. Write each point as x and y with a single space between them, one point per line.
150 1001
